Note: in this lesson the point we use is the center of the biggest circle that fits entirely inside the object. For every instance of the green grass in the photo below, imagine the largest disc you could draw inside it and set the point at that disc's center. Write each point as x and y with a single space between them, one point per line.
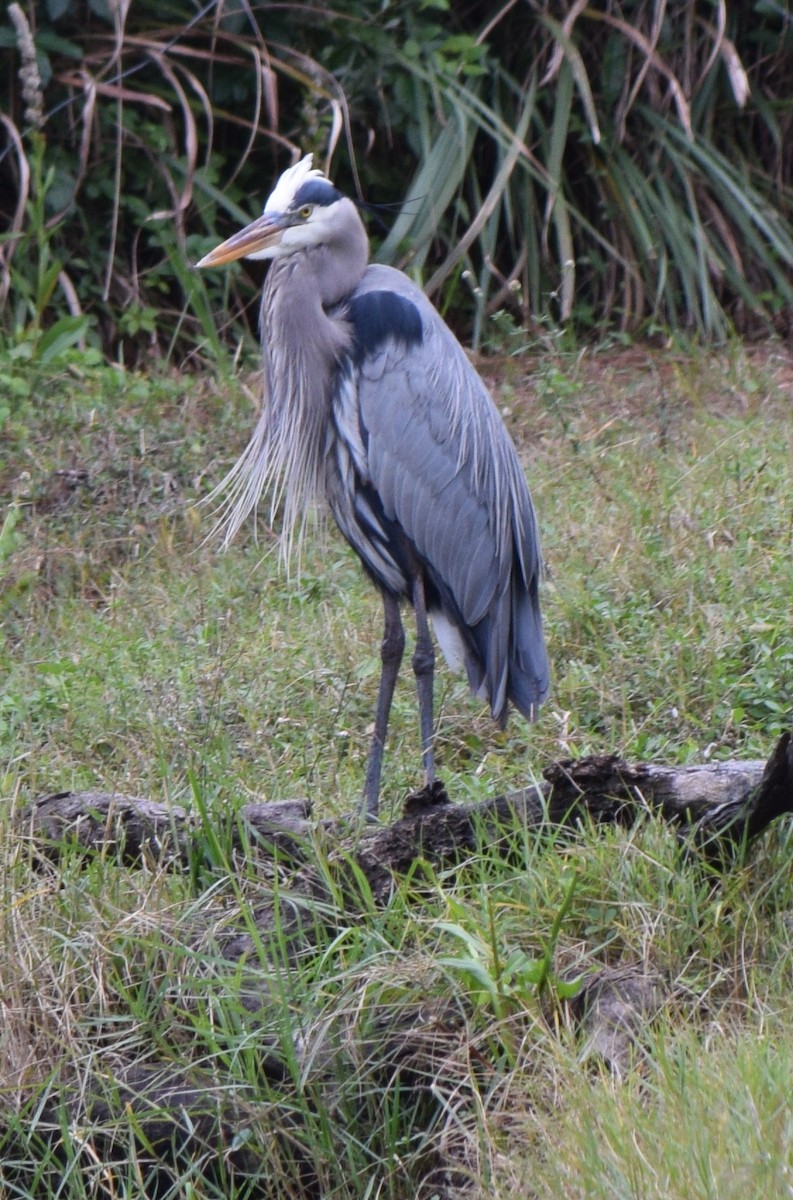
405 1049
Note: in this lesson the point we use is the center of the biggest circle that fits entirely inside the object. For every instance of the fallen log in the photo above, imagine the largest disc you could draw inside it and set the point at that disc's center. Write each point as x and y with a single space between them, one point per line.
718 806
135 828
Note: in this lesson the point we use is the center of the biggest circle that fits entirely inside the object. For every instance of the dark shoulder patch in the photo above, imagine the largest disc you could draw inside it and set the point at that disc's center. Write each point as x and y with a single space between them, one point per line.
316 191
377 317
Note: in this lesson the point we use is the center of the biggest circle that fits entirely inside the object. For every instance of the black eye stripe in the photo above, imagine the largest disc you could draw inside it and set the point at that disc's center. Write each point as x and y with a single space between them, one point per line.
317 192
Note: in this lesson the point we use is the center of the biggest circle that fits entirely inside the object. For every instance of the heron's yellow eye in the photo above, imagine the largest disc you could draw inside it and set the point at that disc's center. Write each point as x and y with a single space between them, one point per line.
306 211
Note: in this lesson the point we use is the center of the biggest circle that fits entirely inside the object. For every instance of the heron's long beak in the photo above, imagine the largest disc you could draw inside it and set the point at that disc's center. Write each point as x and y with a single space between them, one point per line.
262 233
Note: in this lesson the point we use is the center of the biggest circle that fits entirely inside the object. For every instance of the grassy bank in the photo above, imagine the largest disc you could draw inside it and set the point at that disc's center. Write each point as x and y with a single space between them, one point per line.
136 658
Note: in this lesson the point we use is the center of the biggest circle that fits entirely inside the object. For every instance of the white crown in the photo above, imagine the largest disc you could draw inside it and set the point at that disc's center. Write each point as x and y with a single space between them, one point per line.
290 183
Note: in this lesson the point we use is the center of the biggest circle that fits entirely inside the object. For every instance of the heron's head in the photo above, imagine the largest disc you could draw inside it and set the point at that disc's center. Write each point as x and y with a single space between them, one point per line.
304 210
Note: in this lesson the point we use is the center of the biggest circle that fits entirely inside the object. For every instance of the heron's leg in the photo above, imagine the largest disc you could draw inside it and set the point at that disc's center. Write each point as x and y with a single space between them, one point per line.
391 651
423 667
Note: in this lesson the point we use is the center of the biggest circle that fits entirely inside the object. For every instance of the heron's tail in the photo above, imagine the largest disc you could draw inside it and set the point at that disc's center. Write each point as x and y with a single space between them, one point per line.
504 654
529 670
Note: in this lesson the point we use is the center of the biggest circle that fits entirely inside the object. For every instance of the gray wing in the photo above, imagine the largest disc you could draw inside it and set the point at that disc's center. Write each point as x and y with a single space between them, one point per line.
433 461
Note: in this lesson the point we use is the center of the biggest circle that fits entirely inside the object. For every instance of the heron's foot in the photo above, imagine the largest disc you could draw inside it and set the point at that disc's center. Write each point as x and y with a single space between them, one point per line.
370 806
431 795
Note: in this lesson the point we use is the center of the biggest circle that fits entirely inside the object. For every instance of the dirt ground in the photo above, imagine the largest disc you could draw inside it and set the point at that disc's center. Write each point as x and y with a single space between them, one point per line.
598 388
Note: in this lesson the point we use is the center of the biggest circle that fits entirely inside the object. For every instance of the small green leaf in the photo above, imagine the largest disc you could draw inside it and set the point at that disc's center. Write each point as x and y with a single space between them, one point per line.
44 65
56 8
567 988
53 43
61 336
101 9
474 970
9 539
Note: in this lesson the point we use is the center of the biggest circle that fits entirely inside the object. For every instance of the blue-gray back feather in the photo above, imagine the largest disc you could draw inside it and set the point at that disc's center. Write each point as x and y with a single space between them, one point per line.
431 446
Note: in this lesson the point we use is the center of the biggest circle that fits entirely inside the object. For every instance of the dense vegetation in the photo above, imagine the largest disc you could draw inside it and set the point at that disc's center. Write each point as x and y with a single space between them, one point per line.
602 167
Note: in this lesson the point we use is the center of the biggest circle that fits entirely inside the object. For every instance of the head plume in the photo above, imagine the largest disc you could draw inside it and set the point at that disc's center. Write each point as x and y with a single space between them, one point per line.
291 182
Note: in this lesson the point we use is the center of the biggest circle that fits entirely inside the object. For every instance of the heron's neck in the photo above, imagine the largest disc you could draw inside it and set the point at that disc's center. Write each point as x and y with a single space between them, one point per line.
302 344
301 339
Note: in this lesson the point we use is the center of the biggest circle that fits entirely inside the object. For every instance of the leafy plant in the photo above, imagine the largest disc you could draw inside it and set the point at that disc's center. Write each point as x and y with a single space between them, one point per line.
498 980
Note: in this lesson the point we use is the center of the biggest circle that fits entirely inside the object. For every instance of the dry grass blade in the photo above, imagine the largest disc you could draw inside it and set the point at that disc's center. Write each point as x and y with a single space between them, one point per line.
629 100
486 30
558 52
265 89
87 118
717 33
643 43
115 91
183 195
579 73
9 244
490 202
739 80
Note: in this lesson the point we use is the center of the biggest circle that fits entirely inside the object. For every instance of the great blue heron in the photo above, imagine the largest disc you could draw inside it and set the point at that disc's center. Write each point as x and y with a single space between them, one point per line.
372 407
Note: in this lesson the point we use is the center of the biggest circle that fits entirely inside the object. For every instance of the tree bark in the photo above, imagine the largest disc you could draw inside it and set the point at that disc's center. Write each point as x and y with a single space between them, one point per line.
719 807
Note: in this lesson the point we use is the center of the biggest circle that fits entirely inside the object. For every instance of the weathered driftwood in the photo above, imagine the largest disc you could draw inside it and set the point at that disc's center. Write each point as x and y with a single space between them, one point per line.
719 805
135 827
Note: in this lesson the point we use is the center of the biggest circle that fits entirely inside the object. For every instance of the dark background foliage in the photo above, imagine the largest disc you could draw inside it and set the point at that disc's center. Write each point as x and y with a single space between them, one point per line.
547 166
